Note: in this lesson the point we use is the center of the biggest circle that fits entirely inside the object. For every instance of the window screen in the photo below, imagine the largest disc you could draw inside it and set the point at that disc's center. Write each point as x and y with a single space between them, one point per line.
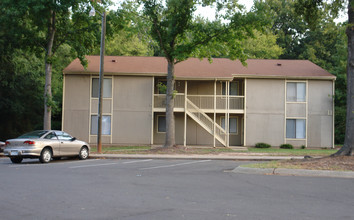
296 92
296 128
106 124
107 88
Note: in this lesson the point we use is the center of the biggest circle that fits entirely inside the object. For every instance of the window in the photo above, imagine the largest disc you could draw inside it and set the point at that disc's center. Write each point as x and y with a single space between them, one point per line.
233 88
51 136
107 88
161 124
296 92
232 124
63 136
33 134
106 124
296 128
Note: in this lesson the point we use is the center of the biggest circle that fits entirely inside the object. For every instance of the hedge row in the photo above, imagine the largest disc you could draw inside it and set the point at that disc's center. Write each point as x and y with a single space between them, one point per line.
283 146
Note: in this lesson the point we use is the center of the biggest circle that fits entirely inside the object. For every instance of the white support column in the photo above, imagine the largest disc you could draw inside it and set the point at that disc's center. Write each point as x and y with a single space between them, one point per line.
285 104
227 114
307 110
214 113
185 114
245 113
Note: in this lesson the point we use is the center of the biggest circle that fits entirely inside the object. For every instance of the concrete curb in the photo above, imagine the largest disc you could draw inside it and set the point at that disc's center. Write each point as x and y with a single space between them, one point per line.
295 172
193 157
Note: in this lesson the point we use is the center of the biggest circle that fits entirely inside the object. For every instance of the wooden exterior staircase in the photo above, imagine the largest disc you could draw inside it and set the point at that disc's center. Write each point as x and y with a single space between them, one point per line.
206 122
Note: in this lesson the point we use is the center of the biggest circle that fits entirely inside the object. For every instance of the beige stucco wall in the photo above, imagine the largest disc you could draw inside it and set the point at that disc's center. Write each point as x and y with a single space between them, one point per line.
76 101
265 111
132 110
320 113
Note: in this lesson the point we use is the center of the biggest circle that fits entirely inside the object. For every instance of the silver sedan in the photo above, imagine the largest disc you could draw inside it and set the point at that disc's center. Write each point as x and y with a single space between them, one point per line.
45 145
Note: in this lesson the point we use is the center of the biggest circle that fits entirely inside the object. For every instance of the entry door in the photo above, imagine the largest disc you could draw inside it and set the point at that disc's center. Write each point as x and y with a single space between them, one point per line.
234 130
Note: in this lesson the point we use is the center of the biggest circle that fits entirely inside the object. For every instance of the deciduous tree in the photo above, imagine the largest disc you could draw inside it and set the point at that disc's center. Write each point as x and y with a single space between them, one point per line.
180 36
45 25
312 8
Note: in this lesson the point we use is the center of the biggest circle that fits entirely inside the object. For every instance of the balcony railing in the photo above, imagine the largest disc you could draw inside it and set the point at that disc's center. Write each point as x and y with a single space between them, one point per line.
160 100
205 102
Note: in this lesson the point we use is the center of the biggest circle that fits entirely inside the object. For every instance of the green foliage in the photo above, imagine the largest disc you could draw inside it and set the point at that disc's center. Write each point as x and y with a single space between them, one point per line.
286 24
162 87
303 147
124 44
262 46
179 36
24 44
21 93
262 145
313 11
286 146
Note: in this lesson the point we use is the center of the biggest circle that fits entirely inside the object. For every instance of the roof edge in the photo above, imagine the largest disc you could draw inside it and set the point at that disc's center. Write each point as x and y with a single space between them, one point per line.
285 77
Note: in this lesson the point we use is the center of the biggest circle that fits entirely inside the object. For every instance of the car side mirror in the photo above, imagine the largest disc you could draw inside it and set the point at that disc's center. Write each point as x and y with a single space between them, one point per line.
73 139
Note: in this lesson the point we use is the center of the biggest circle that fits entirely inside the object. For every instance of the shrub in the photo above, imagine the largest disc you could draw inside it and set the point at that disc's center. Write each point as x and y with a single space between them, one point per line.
286 146
303 147
262 145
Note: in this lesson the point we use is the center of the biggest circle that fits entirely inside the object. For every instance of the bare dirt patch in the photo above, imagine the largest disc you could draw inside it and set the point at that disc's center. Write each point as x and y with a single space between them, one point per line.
325 163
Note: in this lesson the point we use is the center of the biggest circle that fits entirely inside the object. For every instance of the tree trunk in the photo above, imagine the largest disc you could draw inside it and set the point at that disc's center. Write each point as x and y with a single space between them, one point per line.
348 147
48 74
170 119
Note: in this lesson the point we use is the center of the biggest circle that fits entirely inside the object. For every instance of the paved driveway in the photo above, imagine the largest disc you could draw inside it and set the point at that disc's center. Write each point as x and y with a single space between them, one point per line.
165 189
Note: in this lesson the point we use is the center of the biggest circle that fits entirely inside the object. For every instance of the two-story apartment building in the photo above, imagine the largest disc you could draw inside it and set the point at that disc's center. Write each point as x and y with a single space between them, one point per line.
222 103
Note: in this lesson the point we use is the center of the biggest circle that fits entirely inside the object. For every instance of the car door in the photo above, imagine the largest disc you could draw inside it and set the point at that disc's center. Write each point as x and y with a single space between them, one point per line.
52 140
67 145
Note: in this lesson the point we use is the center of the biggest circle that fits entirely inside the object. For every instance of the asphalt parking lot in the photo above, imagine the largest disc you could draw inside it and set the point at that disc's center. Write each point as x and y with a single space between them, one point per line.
164 189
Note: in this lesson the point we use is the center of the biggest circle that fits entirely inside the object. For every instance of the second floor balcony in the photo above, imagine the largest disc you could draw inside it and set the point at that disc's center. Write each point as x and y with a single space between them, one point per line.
207 103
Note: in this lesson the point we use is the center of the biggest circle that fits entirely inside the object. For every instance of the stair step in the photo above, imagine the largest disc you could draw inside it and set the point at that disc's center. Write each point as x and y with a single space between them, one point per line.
201 123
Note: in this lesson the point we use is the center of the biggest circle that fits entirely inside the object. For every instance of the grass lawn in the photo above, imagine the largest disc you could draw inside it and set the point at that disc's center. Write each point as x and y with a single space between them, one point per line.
149 150
339 163
207 150
293 152
122 149
271 164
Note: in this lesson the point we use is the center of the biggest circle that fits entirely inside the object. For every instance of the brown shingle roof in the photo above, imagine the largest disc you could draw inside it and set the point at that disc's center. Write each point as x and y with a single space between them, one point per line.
194 68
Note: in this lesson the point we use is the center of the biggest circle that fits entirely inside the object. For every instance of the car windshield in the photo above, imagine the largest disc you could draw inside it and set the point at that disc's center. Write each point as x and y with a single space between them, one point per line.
33 134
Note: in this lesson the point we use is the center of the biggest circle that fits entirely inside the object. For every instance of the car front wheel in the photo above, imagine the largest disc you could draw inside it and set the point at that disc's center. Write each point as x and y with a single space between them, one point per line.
16 159
84 153
46 155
